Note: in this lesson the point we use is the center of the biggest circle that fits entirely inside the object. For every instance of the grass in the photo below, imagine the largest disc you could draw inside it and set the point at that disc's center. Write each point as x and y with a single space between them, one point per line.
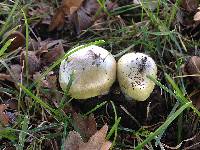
138 29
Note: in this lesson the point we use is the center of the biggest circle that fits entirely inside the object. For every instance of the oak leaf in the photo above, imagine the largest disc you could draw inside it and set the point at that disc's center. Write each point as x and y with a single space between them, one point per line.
85 125
96 142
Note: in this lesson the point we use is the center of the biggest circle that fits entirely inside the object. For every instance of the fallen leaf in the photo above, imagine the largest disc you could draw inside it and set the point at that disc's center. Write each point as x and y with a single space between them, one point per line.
192 67
16 72
185 15
184 19
4 119
42 11
52 55
81 13
81 20
33 45
33 62
85 125
13 76
4 76
196 101
42 47
19 40
73 141
58 19
96 142
106 145
189 5
12 103
85 16
50 81
68 7
88 13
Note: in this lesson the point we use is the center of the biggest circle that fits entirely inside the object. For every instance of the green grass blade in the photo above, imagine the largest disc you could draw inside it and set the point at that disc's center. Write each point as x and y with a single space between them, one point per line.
37 99
95 108
27 43
66 91
64 134
179 97
7 133
5 46
23 133
6 25
114 127
163 126
170 114
179 94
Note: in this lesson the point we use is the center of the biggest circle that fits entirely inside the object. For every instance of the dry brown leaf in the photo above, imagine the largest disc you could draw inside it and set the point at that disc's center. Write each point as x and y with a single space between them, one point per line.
19 40
96 142
87 14
52 55
106 145
33 45
192 67
81 20
85 125
50 81
42 11
4 119
14 75
82 13
58 19
190 5
4 76
70 6
16 71
12 103
196 101
73 141
33 62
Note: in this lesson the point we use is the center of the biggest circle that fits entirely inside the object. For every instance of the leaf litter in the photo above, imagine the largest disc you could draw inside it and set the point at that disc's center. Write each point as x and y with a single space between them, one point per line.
81 15
96 142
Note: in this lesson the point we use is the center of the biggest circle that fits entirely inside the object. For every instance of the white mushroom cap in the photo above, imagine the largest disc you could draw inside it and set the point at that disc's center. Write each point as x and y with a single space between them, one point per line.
132 71
94 71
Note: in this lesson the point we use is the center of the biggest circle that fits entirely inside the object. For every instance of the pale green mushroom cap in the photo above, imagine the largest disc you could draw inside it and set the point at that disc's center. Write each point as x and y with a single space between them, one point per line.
132 71
94 71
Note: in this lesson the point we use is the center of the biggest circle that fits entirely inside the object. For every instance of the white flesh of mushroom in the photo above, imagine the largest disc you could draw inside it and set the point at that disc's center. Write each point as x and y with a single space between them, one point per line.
132 71
94 71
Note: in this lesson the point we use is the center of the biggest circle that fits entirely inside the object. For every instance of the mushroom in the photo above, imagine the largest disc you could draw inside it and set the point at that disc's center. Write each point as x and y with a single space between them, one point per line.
132 71
93 69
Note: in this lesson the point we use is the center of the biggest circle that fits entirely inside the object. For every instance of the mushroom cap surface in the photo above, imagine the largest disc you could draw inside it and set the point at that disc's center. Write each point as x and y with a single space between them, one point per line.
132 71
93 69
